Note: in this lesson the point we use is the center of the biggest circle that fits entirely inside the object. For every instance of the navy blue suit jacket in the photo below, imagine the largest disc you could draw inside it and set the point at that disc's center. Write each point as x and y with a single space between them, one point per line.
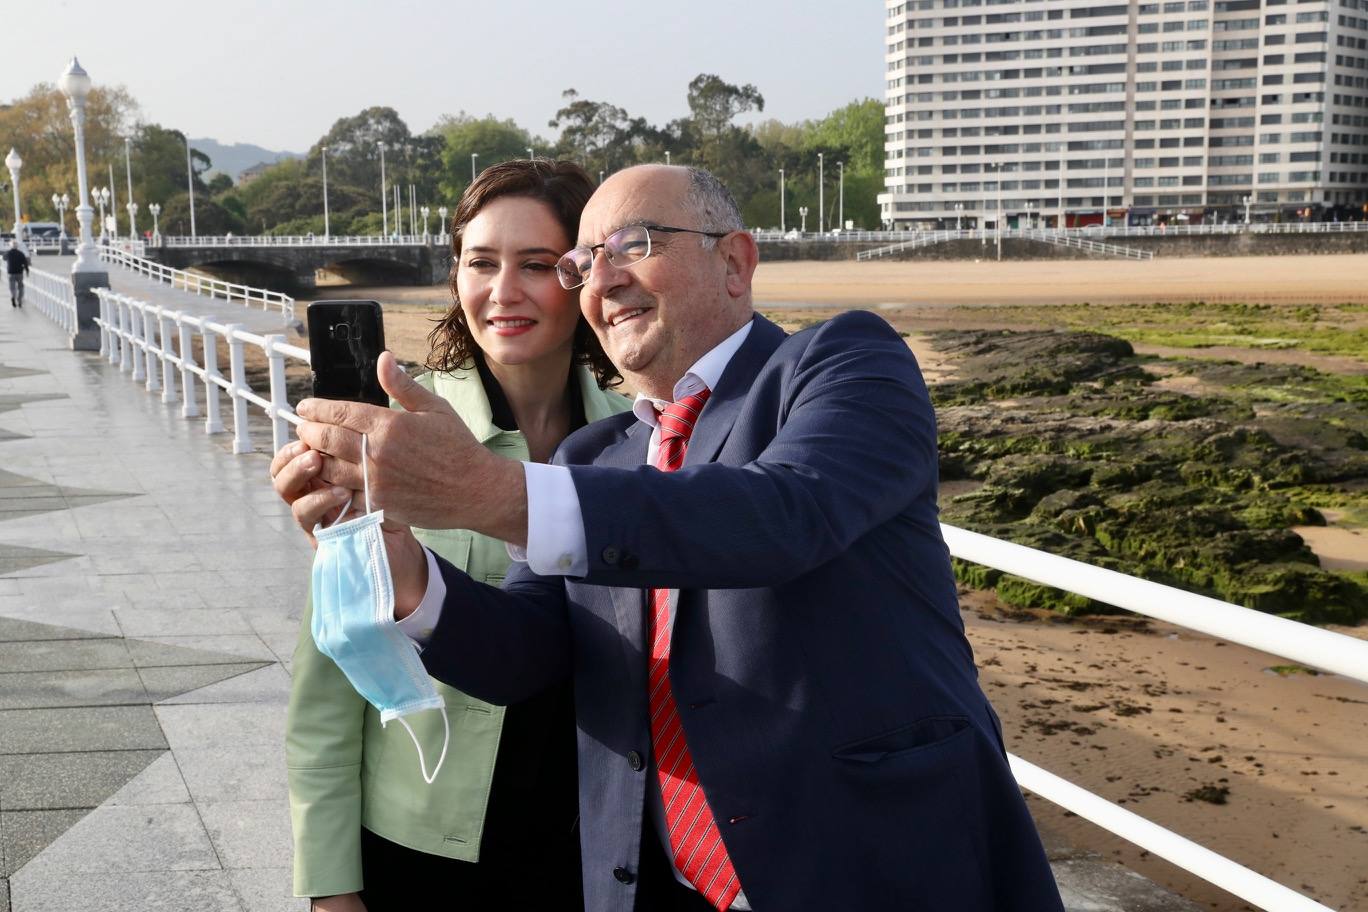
827 691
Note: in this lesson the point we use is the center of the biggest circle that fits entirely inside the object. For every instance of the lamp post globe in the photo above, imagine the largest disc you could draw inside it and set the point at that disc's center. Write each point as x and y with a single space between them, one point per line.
75 85
14 163
442 215
424 211
155 209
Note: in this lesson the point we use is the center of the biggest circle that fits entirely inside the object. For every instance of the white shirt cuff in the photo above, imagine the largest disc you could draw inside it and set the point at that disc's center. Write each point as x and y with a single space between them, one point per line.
555 523
423 621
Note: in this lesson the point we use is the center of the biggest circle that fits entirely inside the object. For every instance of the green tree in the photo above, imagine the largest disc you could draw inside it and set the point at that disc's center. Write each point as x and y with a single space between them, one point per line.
210 217
354 148
39 127
490 139
158 158
598 135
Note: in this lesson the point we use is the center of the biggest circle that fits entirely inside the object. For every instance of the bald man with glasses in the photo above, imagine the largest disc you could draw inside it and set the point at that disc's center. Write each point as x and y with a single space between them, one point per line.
777 706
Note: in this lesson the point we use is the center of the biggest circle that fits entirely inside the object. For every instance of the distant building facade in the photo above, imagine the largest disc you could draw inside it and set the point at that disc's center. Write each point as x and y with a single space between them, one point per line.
1169 111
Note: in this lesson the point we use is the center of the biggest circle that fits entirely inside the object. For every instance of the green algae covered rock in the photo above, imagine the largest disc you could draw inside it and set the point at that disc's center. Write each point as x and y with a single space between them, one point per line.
1079 454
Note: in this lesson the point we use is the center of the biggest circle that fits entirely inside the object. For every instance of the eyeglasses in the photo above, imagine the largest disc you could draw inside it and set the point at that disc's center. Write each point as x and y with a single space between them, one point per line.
624 248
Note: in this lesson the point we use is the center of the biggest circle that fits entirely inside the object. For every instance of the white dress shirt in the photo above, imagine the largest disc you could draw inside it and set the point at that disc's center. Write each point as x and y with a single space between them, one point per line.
555 534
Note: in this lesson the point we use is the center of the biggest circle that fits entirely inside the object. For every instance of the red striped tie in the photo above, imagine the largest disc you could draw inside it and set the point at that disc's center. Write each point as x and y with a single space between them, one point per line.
695 844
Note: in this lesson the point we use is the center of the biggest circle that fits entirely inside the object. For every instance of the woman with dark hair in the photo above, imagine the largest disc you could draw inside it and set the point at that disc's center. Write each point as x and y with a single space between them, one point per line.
497 828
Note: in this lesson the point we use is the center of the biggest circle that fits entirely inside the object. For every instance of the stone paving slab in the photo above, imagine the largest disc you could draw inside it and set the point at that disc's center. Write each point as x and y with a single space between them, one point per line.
50 781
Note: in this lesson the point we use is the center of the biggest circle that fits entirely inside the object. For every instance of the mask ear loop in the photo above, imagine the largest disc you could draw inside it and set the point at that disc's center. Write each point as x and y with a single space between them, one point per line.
365 480
446 740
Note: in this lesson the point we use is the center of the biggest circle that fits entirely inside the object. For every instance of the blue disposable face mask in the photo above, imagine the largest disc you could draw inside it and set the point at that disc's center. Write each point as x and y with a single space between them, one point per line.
353 622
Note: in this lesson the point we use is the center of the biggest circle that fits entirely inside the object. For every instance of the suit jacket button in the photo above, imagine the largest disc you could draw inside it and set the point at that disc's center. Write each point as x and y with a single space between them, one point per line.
623 875
634 761
610 555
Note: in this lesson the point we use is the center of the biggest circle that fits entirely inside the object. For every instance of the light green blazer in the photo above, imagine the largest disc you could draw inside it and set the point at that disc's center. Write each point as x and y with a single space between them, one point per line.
345 770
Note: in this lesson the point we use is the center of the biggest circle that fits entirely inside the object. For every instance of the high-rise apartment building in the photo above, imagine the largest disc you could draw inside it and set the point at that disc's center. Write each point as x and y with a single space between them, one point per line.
1154 111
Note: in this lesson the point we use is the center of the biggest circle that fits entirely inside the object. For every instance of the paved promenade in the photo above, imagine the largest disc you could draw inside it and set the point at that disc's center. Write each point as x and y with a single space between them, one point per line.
125 281
150 589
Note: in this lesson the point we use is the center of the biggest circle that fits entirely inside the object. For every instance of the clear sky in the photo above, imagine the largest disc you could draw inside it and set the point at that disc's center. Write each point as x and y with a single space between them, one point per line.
278 73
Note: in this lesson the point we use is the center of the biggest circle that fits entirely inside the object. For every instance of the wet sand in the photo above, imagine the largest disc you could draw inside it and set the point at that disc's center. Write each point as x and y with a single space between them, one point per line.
1289 279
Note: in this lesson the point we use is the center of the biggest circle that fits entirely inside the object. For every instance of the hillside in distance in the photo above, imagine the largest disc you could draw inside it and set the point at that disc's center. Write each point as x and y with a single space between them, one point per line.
235 158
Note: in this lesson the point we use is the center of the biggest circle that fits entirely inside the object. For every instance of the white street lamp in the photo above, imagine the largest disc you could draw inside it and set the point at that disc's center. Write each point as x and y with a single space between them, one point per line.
424 210
473 156
15 163
959 213
530 156
442 214
821 202
190 180
327 227
101 197
75 85
384 196
840 218
1247 200
1106 191
113 229
132 206
155 209
802 214
413 210
782 226
667 157
60 203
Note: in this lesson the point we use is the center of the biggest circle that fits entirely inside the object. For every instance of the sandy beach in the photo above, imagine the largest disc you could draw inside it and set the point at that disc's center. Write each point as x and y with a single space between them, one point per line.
1289 279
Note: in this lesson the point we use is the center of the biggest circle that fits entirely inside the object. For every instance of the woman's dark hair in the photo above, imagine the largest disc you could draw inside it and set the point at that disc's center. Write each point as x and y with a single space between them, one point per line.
564 187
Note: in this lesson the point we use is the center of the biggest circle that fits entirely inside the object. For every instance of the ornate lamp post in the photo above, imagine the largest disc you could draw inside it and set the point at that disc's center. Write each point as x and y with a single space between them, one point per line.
821 189
959 214
14 163
87 273
327 228
60 203
155 209
667 156
1247 200
424 211
442 214
101 197
802 214
75 85
384 195
782 226
132 206
530 156
840 206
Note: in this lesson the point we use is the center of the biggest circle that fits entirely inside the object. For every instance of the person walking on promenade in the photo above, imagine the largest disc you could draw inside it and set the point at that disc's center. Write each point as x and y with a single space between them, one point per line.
17 265
745 579
520 368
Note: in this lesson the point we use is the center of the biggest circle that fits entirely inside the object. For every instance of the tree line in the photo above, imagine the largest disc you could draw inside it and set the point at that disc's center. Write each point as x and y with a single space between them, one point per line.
287 197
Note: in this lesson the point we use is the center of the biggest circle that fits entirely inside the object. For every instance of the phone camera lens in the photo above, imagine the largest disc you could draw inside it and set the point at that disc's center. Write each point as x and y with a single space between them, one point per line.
341 332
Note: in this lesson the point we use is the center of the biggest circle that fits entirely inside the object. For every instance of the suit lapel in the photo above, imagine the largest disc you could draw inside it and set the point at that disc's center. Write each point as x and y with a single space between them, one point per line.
724 404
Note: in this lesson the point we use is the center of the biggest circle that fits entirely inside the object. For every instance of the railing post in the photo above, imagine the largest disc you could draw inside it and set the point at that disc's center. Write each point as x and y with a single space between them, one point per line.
213 423
150 321
280 400
167 353
124 347
242 440
189 409
139 328
105 341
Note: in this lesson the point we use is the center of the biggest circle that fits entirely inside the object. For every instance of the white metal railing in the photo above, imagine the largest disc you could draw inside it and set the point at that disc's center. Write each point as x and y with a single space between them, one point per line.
201 284
304 240
1302 643
54 296
1072 239
155 344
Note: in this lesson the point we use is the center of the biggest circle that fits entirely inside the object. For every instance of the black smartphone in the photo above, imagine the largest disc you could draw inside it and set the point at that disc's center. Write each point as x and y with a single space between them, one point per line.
345 341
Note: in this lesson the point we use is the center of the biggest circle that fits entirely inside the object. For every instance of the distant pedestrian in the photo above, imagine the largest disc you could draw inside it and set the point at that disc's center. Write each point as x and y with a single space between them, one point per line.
16 264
